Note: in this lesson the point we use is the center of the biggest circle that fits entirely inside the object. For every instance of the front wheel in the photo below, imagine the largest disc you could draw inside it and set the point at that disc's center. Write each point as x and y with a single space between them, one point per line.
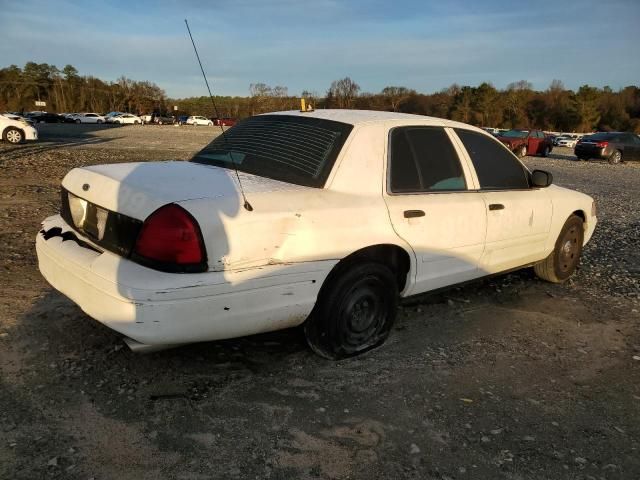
78 121
210 124
564 259
99 121
545 152
354 312
521 151
13 135
615 157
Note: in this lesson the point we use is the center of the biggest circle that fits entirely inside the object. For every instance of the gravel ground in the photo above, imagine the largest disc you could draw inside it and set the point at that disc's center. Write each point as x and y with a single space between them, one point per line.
508 377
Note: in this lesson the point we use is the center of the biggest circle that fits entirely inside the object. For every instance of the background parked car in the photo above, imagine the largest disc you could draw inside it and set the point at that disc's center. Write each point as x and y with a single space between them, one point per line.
224 121
163 119
523 142
16 130
199 120
126 119
15 116
89 118
615 147
566 141
182 119
109 116
45 118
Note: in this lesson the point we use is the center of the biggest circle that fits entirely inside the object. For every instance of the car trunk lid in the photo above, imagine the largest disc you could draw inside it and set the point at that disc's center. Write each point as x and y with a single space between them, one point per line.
138 189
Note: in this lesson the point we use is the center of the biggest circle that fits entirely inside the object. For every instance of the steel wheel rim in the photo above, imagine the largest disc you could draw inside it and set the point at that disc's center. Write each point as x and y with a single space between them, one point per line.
569 252
14 136
362 315
616 157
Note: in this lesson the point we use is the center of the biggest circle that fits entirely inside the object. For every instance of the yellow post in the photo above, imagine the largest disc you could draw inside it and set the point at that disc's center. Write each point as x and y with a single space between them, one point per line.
303 107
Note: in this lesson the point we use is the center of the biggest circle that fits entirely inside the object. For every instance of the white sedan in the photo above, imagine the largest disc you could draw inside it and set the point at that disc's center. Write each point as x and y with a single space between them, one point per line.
88 118
197 120
567 142
15 129
331 217
126 119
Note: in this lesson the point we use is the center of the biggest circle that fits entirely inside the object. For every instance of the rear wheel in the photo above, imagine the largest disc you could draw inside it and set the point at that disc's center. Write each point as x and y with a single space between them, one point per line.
615 157
13 135
354 312
564 259
545 151
78 121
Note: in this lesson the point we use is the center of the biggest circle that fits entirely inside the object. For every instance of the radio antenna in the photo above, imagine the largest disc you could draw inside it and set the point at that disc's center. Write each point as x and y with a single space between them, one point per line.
247 205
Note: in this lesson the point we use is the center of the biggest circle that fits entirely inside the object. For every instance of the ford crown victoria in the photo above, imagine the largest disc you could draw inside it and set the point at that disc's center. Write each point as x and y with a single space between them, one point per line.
321 219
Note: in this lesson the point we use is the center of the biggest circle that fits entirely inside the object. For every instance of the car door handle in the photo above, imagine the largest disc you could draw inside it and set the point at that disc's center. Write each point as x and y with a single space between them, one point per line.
496 206
413 213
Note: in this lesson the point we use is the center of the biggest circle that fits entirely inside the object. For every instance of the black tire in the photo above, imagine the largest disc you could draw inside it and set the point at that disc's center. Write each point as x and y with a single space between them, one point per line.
564 259
521 151
581 158
98 121
13 135
546 151
615 158
354 312
78 120
136 122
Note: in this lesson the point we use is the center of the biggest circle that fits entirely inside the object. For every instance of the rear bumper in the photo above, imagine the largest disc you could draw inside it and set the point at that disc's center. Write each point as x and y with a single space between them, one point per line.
158 308
591 152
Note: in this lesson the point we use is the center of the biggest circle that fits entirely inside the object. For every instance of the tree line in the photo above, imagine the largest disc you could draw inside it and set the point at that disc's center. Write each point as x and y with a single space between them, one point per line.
517 106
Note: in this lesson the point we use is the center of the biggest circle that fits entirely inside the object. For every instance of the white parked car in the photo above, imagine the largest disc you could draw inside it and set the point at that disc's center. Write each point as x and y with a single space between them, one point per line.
126 119
197 120
16 129
111 115
345 212
89 118
567 141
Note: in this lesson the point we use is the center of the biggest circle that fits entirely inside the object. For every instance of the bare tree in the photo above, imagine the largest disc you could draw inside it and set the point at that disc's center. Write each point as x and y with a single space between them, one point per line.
343 92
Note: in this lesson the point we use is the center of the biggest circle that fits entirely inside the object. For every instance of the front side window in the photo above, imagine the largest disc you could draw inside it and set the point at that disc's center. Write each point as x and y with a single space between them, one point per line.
422 159
496 167
289 148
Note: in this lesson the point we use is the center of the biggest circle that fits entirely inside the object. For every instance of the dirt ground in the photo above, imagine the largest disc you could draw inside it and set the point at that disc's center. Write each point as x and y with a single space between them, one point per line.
506 378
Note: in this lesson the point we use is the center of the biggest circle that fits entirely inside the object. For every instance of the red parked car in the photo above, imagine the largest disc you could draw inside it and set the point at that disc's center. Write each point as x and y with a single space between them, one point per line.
526 142
224 121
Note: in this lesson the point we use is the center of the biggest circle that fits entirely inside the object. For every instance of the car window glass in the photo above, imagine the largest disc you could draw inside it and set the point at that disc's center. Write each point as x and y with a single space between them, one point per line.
496 167
422 159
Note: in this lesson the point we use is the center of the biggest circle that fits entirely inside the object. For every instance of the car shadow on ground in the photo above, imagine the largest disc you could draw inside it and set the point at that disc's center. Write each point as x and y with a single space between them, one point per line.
485 365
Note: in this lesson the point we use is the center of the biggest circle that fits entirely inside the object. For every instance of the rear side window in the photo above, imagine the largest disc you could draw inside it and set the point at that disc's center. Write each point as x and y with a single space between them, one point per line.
294 149
496 167
422 159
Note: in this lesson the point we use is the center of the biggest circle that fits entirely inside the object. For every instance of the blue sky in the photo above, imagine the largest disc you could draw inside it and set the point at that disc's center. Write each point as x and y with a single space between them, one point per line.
301 44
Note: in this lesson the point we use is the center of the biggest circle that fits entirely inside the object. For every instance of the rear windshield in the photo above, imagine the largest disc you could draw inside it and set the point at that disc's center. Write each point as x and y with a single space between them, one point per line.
300 150
599 137
515 133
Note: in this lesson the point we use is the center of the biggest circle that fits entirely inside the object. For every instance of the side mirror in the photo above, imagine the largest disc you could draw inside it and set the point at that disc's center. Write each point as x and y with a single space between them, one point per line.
541 179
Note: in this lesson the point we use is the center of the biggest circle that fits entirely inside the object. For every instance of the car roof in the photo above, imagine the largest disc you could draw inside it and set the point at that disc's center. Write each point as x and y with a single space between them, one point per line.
358 117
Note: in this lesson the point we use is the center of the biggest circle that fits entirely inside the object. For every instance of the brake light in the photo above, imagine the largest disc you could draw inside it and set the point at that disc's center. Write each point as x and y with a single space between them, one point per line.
171 237
602 144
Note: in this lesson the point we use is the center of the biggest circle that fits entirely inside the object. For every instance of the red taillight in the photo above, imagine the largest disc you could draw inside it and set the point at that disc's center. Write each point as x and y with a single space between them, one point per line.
171 236
602 144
